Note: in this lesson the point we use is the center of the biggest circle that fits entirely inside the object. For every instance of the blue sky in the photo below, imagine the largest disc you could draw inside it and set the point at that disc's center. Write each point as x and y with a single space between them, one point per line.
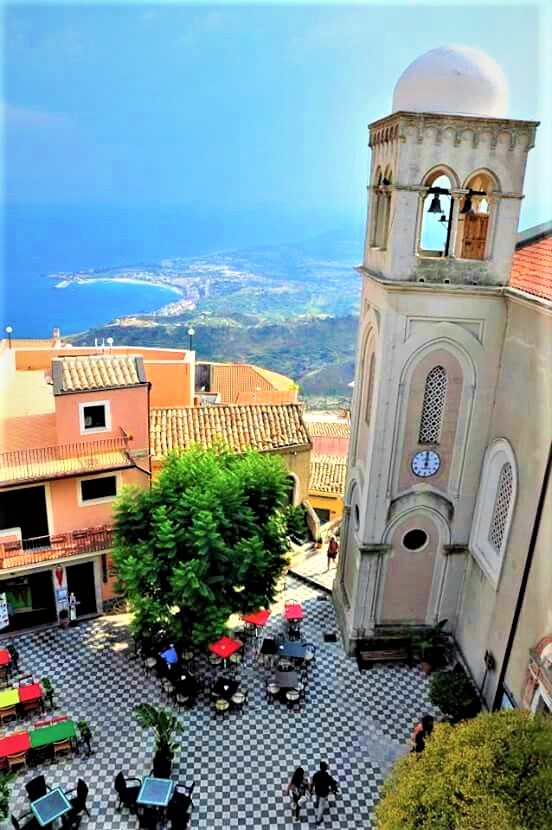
235 106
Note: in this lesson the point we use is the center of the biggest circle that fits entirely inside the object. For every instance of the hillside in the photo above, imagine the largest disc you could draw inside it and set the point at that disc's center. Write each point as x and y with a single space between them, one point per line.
318 353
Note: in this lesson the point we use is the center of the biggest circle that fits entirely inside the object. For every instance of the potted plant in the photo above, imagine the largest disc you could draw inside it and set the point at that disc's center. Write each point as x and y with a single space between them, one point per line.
64 618
455 695
48 690
85 734
432 647
5 788
165 724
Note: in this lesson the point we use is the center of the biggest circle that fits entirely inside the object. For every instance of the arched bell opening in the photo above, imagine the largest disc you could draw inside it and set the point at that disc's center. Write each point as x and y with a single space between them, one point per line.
436 218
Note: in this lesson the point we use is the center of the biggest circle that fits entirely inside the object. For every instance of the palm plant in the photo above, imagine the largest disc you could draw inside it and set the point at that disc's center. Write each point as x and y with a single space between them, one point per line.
5 787
165 724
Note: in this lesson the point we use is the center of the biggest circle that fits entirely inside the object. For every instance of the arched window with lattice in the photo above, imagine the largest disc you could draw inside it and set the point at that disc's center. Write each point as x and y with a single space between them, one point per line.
501 508
433 409
370 389
494 509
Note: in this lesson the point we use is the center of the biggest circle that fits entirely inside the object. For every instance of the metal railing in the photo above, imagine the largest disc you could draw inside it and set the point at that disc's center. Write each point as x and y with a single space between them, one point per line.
41 548
61 459
541 666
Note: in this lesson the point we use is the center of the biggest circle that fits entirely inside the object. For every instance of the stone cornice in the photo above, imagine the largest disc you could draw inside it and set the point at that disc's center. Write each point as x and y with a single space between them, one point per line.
444 288
456 550
394 128
374 549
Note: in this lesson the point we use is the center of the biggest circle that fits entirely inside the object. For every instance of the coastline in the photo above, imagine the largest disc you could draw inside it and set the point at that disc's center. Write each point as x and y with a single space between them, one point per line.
133 280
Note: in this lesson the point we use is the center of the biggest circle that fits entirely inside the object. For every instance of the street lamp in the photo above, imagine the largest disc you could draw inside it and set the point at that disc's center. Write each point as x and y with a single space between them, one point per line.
191 332
9 331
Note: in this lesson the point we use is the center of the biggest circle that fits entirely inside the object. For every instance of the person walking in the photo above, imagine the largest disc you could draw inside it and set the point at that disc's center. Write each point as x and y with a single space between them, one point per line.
421 731
333 550
297 788
322 784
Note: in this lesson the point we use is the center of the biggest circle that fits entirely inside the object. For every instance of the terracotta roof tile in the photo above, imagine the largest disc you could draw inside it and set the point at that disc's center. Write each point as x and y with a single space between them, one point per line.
260 427
81 374
235 379
532 268
329 429
328 474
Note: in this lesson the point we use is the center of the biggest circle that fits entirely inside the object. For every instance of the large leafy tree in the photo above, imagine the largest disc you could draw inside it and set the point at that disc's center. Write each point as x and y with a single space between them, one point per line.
207 540
493 772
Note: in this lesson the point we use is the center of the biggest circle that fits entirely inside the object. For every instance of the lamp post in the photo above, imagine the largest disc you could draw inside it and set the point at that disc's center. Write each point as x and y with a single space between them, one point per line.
191 332
9 331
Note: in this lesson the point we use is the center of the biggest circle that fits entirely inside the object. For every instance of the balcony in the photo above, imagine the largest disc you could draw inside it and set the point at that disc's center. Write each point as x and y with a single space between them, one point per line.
62 460
57 546
540 667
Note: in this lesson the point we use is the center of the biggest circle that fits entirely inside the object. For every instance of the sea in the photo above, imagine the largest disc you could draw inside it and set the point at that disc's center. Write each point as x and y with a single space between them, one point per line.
44 240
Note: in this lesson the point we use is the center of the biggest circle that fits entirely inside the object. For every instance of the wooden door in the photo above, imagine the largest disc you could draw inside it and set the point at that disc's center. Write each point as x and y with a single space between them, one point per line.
475 235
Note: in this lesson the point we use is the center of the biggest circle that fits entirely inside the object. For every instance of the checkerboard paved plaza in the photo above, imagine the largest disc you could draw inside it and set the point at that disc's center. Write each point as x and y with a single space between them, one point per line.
357 722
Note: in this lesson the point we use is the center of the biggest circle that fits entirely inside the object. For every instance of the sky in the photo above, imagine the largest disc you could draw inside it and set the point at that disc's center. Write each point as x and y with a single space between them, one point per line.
224 107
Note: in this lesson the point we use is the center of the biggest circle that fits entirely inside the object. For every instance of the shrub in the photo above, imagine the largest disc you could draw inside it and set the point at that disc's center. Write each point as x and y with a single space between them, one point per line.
296 523
454 694
493 772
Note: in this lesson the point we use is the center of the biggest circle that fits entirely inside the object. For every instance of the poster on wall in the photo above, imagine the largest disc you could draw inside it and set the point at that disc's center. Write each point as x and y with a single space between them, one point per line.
4 616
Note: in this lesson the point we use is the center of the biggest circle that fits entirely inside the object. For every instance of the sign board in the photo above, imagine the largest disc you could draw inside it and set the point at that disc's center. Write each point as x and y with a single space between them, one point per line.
4 616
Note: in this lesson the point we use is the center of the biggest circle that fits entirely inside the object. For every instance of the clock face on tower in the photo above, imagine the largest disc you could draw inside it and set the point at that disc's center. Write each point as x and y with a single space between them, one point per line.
426 463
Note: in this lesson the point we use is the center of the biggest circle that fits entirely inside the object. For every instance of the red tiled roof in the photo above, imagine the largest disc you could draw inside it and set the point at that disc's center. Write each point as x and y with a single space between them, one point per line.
328 474
261 427
233 380
532 268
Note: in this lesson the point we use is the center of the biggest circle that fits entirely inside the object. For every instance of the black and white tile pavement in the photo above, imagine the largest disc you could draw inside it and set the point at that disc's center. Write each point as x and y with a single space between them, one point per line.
358 722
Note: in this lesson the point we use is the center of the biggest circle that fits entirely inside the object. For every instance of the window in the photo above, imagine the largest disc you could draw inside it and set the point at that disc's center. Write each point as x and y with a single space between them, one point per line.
501 508
323 514
95 417
382 208
370 389
98 489
415 539
435 395
494 509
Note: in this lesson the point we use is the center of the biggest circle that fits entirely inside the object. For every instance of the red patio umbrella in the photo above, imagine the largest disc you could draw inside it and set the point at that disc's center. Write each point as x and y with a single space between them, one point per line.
225 647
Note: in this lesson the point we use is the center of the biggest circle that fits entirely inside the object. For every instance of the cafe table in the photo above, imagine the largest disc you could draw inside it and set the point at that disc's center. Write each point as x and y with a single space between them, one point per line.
51 806
257 618
14 744
225 687
9 697
225 647
30 692
293 611
155 792
286 679
292 649
5 657
62 731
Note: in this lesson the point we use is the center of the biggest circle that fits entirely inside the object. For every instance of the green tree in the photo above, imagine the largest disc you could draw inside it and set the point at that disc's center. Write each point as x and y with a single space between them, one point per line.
493 772
207 540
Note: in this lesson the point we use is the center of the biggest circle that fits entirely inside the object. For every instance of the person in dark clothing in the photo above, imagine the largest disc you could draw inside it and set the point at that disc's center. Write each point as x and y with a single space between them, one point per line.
322 785
297 788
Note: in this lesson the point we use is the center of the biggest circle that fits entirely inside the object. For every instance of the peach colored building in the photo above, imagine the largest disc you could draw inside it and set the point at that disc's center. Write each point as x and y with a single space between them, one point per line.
74 429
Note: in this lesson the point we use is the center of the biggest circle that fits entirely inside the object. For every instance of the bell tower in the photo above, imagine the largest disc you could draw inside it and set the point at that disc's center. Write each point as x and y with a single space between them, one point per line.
445 192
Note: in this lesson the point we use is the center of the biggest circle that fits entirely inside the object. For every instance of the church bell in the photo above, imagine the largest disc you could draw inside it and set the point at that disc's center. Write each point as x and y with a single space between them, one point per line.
435 206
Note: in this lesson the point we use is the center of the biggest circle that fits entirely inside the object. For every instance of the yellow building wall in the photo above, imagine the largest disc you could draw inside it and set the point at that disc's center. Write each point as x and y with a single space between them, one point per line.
327 501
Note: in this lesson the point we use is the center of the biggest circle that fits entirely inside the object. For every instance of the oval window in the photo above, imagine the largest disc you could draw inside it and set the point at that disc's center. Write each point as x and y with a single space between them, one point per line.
415 539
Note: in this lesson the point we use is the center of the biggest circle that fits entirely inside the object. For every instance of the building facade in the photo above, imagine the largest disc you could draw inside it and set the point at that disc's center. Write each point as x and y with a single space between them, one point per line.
446 462
76 426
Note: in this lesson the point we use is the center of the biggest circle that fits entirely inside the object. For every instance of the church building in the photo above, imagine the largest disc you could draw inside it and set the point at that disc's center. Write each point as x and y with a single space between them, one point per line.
448 501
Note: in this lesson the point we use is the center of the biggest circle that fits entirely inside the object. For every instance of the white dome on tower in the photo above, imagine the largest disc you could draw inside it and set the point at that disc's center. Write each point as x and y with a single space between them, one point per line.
454 80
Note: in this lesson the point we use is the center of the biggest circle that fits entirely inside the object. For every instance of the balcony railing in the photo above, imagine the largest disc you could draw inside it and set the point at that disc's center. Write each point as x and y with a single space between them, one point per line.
63 459
541 669
59 545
